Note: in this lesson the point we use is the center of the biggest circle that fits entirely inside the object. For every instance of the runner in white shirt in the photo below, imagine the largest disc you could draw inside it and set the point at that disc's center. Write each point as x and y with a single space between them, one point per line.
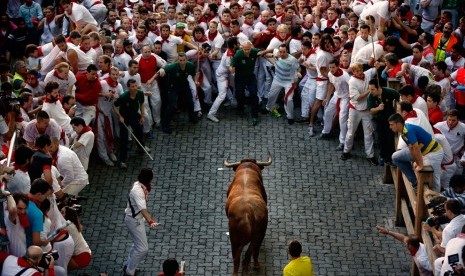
120 57
83 142
53 107
80 17
308 94
454 131
132 74
15 215
64 77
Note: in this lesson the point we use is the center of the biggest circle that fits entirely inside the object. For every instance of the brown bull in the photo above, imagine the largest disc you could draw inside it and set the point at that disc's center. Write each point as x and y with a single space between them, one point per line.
246 210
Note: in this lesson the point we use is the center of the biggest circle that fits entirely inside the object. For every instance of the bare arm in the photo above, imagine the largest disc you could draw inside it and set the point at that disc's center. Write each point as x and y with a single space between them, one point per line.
73 61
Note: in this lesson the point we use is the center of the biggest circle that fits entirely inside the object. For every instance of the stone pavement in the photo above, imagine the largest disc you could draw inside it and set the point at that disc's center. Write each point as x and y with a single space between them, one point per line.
331 206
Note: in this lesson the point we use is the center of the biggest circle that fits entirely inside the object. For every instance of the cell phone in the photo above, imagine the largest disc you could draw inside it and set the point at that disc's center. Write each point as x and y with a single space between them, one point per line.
453 259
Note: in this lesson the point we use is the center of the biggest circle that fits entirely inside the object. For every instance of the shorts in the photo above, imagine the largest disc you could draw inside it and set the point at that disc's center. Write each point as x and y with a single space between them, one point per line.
83 259
321 90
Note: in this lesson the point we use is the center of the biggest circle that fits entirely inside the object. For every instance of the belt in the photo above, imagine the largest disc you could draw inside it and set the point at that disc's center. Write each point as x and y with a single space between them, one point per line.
432 147
321 79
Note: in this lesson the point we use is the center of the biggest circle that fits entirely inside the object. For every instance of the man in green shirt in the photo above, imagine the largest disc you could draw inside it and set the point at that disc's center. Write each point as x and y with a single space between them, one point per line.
243 65
382 103
129 107
179 80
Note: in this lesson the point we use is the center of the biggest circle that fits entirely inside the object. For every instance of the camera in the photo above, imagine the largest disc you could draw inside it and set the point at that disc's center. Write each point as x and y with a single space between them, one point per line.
439 212
71 202
453 261
47 257
9 104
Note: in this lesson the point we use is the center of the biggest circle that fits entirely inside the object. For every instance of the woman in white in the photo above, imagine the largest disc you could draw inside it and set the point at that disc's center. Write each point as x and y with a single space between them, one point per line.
82 254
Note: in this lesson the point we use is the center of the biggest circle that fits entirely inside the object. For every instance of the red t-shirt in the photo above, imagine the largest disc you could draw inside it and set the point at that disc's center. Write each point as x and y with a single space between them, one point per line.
435 115
147 68
87 92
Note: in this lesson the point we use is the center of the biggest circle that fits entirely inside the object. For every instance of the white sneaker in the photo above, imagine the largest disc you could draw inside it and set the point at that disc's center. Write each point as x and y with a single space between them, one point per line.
113 157
109 163
213 118
310 131
123 165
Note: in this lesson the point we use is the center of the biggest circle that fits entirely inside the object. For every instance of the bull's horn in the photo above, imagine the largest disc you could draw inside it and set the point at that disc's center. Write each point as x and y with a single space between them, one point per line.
230 165
267 163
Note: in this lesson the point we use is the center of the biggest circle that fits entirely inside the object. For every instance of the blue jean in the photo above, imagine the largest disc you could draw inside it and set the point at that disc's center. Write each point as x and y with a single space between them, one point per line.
403 160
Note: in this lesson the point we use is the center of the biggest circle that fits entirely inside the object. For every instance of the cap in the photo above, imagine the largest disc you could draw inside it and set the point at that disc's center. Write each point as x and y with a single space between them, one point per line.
180 25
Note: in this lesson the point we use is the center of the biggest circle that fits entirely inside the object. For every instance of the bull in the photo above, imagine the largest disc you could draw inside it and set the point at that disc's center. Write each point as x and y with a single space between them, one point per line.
246 211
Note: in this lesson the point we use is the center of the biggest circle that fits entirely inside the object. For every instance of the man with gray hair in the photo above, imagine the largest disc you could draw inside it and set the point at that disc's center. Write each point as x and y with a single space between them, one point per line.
28 264
243 64
19 79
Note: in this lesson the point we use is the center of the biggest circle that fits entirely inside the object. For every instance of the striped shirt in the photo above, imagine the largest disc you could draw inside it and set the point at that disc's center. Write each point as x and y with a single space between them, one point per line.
286 69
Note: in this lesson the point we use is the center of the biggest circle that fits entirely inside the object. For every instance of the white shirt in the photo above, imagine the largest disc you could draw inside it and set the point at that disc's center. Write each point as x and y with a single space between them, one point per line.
378 10
138 199
322 60
358 87
55 111
295 45
420 104
223 69
16 234
359 43
105 105
454 136
64 84
80 244
448 155
20 182
341 84
11 268
452 229
81 15
247 30
454 246
84 151
31 132
421 259
453 66
124 80
171 47
366 52
70 168
121 61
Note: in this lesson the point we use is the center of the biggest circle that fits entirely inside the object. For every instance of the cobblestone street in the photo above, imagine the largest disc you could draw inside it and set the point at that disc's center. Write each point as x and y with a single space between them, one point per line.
330 205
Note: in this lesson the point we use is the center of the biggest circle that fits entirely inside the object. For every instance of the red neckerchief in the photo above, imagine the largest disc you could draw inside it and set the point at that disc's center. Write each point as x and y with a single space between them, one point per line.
437 78
280 17
95 47
248 23
140 41
411 114
263 22
84 130
23 221
230 52
330 23
111 82
236 33
55 74
362 78
47 100
156 31
211 36
415 62
279 38
202 39
415 97
20 168
207 18
234 16
339 72
225 24
414 251
272 33
163 40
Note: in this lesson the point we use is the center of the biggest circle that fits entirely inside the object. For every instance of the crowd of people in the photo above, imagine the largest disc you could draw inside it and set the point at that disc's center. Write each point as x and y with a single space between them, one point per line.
75 75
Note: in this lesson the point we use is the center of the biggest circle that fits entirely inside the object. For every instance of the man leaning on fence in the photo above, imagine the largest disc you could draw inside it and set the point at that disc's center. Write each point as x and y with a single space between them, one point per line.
422 150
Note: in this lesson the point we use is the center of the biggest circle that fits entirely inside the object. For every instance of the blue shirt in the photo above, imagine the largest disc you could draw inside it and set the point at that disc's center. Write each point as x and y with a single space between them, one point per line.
26 12
415 134
36 221
286 69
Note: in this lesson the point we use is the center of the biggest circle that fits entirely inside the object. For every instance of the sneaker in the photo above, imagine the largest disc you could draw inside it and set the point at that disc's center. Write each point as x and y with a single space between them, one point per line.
303 121
254 121
290 121
310 131
199 115
340 147
109 163
212 118
325 136
275 113
113 157
346 155
373 161
123 166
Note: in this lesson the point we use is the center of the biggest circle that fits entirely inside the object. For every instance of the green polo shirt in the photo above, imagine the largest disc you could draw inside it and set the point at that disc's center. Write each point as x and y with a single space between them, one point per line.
129 107
389 96
177 77
244 65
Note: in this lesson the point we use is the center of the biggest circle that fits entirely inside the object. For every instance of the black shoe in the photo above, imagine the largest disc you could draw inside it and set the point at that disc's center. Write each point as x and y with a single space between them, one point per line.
373 161
325 136
303 121
290 121
346 155
166 130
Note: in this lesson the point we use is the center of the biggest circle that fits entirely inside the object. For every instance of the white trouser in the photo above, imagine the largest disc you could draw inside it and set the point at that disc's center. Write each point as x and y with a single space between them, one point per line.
65 250
140 246
330 110
438 265
99 12
74 189
261 78
434 160
427 26
102 143
289 88
269 75
459 167
148 120
308 97
207 91
85 112
155 100
195 97
355 117
222 82
447 171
